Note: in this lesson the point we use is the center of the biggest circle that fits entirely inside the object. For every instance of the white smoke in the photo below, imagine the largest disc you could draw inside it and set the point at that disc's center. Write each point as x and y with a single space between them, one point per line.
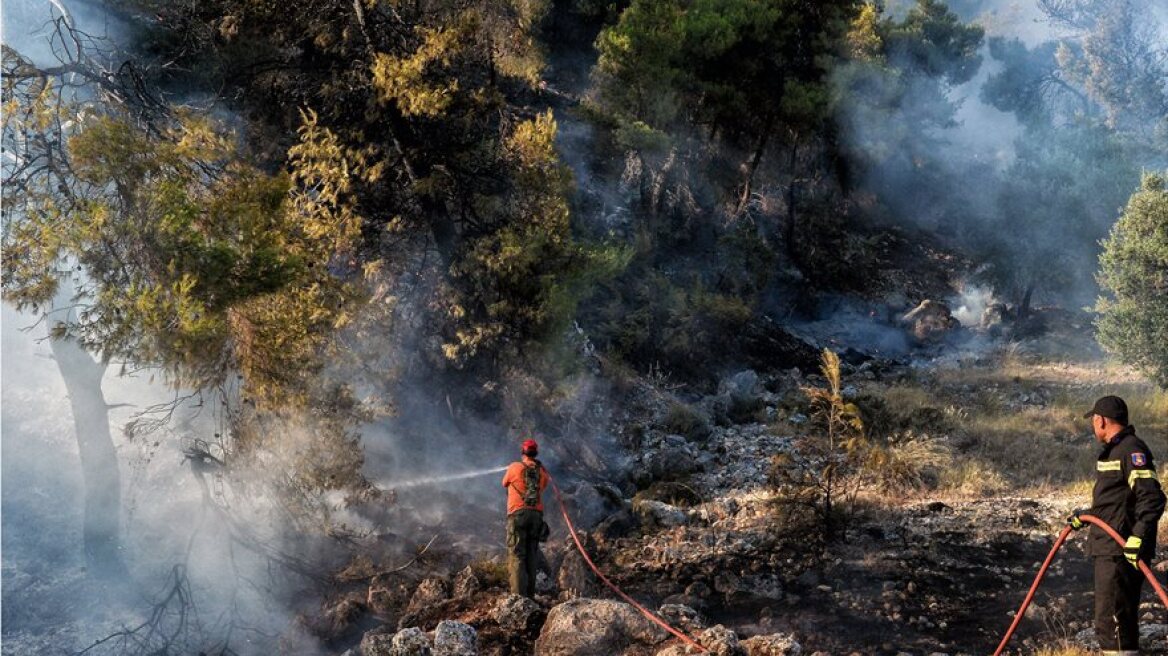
971 304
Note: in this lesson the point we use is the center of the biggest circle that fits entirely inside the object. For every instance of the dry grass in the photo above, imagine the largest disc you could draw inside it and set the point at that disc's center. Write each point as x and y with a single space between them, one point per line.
905 398
1004 443
1063 649
1031 448
1009 368
490 572
909 462
972 478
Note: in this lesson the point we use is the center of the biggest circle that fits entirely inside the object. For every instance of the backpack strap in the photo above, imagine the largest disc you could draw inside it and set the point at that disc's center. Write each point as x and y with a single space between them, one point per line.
532 476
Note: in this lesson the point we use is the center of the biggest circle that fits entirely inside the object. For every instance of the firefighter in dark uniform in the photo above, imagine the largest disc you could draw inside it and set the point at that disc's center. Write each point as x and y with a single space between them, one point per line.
1128 497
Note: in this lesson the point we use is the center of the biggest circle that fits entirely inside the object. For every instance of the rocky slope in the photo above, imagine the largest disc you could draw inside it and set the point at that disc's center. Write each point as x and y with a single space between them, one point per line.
699 537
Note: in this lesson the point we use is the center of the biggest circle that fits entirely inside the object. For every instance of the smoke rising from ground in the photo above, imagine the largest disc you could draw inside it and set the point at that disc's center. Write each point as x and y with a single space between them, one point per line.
205 577
170 535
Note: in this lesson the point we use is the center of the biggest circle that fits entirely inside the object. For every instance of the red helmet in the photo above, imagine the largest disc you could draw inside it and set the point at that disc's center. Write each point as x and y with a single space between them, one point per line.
530 445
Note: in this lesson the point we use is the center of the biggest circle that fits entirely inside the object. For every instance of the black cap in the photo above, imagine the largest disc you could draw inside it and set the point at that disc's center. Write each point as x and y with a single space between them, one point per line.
1111 407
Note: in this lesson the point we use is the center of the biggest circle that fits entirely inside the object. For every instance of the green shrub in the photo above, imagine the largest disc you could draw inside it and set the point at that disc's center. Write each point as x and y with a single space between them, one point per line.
1133 268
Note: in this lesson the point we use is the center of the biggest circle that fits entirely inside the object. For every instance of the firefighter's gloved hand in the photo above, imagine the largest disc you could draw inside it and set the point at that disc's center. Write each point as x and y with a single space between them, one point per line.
1074 522
1131 550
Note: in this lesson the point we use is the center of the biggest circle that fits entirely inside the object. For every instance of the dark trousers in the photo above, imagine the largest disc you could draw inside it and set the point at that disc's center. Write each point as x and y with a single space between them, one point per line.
1117 603
523 529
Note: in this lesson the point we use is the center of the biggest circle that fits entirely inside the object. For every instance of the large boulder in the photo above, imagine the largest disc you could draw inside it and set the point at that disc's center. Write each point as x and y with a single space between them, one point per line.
672 460
775 644
595 627
517 613
655 514
743 385
455 639
617 525
739 398
749 588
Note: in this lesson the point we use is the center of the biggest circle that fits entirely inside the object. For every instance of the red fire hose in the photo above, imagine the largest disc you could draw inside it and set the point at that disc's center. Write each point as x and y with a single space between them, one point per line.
644 611
1050 558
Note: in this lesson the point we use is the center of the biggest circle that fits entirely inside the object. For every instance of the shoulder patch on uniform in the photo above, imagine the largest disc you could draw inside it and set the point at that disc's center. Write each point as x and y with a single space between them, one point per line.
1139 459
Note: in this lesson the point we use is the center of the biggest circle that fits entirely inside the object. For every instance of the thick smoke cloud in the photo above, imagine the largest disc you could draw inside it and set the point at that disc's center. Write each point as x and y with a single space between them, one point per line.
177 549
981 180
202 574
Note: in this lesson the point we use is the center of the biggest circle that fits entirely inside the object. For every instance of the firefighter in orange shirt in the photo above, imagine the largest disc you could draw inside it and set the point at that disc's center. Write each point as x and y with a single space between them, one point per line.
525 482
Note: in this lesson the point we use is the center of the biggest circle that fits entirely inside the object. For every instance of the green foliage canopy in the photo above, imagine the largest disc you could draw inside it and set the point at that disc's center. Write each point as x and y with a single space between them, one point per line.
742 68
1133 270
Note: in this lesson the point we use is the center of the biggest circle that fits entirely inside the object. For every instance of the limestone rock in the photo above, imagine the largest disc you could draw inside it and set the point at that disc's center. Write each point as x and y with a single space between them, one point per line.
455 639
410 642
721 641
466 584
376 643
655 514
744 384
588 506
516 613
544 585
430 592
575 579
617 525
775 644
595 627
682 617
671 461
766 587
739 397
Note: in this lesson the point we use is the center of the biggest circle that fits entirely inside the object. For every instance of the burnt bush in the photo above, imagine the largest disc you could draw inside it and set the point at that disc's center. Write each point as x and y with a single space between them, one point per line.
683 419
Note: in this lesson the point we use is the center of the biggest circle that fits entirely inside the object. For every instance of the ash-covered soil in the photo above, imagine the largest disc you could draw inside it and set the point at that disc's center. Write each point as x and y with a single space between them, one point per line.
700 535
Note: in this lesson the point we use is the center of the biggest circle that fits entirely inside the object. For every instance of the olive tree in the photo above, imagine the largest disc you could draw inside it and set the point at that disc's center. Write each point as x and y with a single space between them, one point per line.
1133 272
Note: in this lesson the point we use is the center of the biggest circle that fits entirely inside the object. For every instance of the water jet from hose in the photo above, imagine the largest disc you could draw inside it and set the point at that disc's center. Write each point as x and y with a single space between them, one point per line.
446 478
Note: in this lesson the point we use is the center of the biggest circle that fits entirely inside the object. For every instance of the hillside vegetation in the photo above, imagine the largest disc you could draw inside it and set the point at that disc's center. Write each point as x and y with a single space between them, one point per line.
804 300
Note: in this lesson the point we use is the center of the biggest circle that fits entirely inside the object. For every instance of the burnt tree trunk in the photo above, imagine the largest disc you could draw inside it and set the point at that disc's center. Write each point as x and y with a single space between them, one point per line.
791 233
99 460
752 168
1024 305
